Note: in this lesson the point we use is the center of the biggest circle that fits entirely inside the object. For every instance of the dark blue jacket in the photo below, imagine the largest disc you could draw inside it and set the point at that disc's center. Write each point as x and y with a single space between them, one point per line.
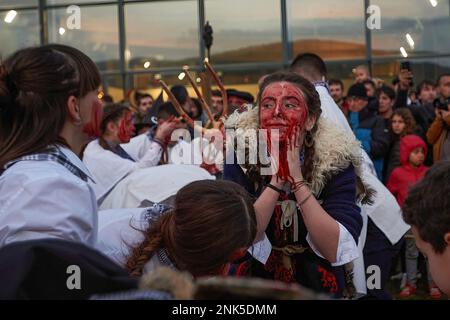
373 134
338 197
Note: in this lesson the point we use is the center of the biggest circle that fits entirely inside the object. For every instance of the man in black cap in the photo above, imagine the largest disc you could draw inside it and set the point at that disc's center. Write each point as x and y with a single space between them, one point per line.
369 128
236 99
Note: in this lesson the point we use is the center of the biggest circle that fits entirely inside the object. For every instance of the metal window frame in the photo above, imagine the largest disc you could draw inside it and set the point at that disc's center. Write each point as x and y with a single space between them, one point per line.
127 74
368 36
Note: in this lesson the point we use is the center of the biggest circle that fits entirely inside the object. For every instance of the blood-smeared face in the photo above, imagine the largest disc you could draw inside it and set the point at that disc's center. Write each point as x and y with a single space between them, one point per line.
283 107
126 128
283 112
91 109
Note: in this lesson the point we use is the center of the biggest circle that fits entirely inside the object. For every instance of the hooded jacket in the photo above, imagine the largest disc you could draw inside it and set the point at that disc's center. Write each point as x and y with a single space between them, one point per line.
405 176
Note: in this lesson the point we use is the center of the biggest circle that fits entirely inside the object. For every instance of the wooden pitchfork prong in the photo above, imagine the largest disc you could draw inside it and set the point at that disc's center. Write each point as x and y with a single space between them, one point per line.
205 106
220 85
178 107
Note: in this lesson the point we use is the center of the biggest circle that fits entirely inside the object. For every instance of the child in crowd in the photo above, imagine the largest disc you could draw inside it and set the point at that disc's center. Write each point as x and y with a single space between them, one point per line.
402 124
412 156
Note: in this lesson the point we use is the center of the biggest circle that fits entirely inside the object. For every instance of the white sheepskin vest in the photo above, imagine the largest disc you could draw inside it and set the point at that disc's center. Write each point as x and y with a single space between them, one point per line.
334 149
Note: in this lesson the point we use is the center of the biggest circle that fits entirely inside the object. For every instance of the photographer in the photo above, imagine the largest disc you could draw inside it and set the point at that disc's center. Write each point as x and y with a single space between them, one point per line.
438 134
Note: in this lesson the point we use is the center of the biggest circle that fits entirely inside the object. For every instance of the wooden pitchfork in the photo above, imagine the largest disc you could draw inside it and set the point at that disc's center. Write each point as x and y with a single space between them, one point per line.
212 123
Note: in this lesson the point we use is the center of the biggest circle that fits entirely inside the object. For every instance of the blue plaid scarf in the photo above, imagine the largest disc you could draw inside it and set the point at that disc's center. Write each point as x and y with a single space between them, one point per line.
53 154
152 214
118 150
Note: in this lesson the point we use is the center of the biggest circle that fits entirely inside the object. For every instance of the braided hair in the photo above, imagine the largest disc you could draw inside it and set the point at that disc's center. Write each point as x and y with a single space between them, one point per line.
202 232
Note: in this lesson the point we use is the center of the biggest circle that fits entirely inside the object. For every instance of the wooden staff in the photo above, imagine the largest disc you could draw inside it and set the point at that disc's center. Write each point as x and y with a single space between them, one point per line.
205 106
221 87
178 107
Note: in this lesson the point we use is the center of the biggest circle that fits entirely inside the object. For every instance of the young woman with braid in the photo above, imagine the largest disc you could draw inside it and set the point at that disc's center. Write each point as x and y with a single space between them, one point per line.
211 224
307 206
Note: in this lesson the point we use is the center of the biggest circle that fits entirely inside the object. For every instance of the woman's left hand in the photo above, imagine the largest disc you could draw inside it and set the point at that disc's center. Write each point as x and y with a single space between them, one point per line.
293 157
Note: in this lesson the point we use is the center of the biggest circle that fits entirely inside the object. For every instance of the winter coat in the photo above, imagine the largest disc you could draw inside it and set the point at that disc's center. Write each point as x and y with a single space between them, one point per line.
405 176
437 134
373 134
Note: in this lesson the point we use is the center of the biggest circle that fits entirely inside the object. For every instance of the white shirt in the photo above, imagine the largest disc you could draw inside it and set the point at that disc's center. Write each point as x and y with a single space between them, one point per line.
108 168
384 212
43 199
118 231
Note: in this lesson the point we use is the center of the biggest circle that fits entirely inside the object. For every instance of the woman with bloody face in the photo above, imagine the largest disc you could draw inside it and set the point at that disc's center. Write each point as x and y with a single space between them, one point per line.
308 207
49 110
116 154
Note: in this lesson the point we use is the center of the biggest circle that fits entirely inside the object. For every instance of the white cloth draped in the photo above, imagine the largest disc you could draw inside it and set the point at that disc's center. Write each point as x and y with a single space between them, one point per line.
108 168
154 184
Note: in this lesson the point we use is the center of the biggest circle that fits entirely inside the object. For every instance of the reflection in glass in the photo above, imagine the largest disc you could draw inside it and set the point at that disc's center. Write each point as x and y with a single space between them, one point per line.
113 86
162 34
76 2
427 26
97 37
21 31
17 3
331 29
423 69
343 70
245 31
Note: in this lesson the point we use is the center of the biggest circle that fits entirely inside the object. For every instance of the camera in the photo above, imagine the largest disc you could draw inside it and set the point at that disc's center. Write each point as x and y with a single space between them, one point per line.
442 104
406 65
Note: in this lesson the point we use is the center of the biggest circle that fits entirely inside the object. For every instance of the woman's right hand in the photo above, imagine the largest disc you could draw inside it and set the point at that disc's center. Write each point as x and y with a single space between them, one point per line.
165 129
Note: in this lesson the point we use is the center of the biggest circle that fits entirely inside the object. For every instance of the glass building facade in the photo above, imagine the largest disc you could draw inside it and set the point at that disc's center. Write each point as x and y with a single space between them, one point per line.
136 43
